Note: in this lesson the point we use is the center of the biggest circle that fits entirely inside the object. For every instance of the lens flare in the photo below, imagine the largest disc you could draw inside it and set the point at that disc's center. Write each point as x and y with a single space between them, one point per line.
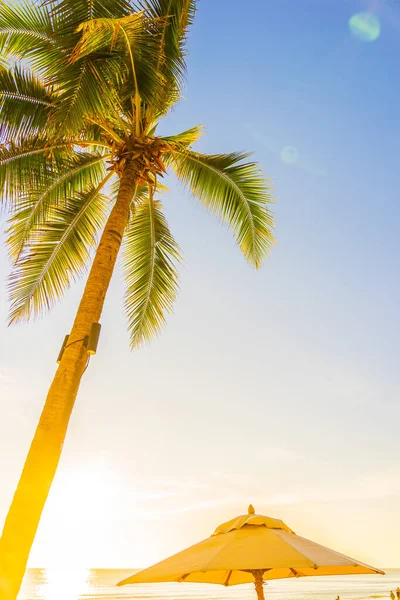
365 27
289 154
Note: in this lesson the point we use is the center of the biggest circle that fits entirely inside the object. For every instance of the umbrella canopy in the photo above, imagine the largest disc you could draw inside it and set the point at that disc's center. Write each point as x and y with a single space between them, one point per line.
250 548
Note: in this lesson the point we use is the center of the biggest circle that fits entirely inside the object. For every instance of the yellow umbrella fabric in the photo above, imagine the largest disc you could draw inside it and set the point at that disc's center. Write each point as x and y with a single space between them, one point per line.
250 548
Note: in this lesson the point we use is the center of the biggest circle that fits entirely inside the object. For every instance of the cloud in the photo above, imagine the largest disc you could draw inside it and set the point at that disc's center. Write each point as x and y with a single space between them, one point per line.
185 508
232 491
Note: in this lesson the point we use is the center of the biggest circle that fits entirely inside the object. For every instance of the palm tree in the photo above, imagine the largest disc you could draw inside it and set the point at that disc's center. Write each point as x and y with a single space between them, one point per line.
83 86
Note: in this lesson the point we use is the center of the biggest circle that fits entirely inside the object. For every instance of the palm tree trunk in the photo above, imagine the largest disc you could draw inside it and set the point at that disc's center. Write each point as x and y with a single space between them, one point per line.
44 454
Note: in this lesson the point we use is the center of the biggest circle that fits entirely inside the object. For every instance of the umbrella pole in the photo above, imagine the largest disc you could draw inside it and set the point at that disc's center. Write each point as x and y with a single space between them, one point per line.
259 584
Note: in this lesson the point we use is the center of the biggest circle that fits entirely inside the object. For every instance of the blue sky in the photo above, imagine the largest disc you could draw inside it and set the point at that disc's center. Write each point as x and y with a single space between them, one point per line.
281 386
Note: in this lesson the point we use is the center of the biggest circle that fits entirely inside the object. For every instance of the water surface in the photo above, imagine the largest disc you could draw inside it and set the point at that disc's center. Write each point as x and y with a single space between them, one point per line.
100 584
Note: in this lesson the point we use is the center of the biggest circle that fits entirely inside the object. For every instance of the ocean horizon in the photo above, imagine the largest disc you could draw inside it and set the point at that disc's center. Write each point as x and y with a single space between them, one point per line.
101 584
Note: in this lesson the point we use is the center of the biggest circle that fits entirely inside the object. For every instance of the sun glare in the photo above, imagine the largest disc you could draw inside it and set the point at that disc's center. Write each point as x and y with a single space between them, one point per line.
64 584
75 512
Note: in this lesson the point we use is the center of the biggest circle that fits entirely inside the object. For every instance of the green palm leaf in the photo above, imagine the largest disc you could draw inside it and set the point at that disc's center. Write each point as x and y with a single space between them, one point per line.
27 165
26 32
86 84
234 190
175 16
57 253
36 206
150 254
85 92
108 34
24 103
70 13
135 40
184 139
33 163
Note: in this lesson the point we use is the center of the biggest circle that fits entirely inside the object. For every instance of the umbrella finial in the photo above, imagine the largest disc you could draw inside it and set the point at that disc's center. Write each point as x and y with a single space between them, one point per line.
251 510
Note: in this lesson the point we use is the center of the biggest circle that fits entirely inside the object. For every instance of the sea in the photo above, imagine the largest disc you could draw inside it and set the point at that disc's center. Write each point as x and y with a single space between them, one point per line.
100 584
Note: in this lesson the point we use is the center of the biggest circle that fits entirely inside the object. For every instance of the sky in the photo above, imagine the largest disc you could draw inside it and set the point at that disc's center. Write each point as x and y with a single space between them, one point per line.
278 387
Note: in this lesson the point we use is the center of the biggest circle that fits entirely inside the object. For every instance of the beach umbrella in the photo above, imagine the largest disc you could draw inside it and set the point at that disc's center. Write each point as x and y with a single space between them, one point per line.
250 548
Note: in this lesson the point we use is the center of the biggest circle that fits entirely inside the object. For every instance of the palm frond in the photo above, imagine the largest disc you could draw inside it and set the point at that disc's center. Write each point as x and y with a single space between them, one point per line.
26 32
135 41
175 16
29 164
33 164
24 103
39 205
84 92
185 138
234 190
68 14
107 34
57 253
150 255
85 86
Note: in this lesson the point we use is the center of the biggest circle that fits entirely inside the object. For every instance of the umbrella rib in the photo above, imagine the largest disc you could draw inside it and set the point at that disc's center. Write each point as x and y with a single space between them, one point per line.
228 577
303 553
295 573
315 545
